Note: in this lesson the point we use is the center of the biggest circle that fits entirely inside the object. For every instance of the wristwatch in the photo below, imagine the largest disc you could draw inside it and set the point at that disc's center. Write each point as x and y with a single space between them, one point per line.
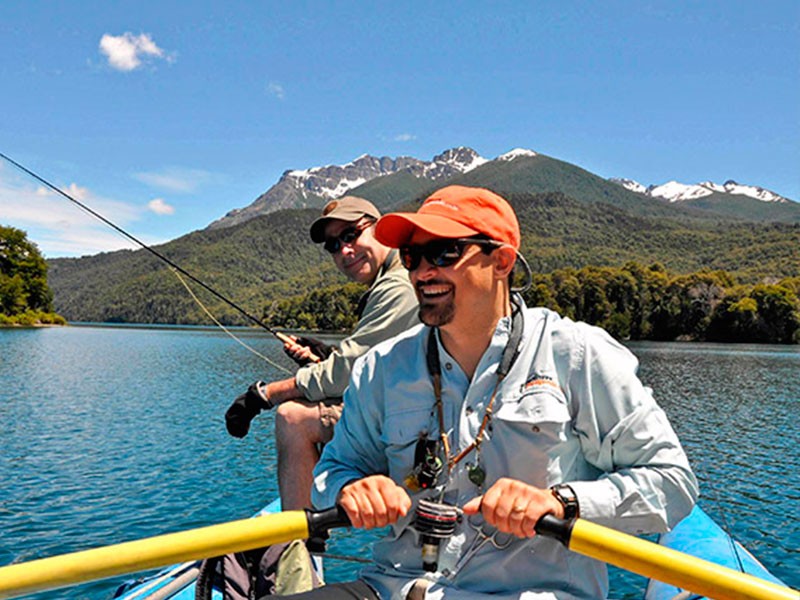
569 500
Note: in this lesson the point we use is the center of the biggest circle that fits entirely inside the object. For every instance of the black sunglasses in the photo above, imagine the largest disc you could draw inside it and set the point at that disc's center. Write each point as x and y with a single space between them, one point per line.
348 236
442 253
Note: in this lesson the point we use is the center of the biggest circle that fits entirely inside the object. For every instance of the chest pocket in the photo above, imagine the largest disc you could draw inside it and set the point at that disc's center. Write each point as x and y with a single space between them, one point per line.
402 430
541 409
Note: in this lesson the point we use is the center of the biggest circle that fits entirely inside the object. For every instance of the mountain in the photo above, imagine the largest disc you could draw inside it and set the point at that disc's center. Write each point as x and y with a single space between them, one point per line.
730 199
388 182
528 172
269 258
569 217
673 191
313 187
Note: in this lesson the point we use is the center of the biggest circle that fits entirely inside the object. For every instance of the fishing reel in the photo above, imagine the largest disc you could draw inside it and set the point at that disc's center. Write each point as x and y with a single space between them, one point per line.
435 522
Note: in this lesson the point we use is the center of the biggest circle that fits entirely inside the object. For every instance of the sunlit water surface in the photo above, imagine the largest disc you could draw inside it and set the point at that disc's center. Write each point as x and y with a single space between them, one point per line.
117 433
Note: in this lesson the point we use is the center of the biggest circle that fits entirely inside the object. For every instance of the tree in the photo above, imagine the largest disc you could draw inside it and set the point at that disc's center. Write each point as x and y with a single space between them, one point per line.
778 314
23 275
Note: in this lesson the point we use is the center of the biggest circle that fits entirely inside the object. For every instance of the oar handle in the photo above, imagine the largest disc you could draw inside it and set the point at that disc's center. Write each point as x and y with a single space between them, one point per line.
553 527
321 521
658 562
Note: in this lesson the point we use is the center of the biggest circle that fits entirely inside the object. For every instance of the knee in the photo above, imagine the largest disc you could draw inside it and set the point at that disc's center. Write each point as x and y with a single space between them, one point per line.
294 417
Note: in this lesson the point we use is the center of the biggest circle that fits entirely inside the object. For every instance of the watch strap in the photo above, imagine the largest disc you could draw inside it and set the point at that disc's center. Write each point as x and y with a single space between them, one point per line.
568 499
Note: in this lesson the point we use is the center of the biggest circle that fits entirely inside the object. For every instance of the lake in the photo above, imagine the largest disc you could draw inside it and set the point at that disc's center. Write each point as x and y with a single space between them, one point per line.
117 433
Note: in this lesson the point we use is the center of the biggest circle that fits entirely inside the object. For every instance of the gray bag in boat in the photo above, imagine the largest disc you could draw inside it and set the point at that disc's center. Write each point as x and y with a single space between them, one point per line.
279 569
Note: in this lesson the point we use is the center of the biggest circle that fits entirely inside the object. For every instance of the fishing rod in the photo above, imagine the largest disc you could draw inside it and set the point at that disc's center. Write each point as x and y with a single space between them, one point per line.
281 336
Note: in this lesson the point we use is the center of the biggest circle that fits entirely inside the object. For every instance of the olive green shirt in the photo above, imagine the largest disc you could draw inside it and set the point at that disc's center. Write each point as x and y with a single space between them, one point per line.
390 309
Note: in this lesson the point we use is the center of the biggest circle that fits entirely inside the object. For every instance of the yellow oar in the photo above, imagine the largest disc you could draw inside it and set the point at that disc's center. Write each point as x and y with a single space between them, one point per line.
625 551
657 562
140 555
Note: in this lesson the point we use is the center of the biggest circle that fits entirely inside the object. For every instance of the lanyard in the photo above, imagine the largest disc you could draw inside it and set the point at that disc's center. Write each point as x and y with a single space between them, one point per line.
510 353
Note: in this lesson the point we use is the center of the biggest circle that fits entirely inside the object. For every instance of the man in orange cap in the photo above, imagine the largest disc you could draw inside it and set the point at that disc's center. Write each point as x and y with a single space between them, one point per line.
503 412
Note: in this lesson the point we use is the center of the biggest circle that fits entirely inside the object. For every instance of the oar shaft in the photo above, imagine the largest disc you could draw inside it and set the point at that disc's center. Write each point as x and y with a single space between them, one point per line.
130 557
670 566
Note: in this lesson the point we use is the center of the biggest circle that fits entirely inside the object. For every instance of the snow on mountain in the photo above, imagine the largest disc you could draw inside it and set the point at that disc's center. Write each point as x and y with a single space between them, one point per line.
672 191
630 184
516 153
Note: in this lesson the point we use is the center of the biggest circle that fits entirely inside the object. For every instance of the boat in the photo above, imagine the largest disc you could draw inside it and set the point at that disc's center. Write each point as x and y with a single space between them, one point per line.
698 535
178 582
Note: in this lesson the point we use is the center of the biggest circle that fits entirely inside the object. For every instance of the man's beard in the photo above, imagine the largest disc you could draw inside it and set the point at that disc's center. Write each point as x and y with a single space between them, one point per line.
436 315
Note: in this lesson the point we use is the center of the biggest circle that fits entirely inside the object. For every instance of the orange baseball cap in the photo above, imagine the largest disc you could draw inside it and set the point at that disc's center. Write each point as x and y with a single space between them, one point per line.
454 211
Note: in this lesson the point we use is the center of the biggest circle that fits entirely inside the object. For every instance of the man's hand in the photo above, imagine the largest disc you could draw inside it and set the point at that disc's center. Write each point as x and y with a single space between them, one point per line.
514 507
245 408
304 350
375 501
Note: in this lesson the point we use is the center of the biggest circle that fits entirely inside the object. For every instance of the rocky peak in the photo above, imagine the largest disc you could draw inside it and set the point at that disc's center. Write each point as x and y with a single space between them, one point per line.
313 187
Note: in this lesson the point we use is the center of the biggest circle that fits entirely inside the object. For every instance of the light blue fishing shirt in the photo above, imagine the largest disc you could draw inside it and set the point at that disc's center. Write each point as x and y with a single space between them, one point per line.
571 410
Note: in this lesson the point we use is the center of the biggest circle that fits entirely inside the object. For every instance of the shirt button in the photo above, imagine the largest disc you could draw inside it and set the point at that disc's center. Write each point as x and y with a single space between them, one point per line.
535 429
448 366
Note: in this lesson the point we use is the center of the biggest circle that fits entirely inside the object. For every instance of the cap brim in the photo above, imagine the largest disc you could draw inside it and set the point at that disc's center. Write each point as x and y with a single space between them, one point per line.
349 208
396 229
317 229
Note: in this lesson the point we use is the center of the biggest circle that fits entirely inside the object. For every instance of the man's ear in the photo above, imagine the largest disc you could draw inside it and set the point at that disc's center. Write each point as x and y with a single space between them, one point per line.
505 257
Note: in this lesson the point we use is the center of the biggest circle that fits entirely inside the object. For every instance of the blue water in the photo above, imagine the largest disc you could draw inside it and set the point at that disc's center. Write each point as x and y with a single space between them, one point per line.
114 434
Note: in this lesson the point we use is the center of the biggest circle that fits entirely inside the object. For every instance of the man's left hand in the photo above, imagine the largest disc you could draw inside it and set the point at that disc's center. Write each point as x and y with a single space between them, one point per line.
514 507
246 408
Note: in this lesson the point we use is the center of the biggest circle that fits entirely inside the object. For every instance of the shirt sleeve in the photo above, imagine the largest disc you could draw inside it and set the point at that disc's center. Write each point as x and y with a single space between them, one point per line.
357 449
647 484
390 310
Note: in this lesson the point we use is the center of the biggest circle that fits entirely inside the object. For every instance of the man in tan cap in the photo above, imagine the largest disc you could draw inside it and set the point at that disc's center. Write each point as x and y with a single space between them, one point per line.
309 404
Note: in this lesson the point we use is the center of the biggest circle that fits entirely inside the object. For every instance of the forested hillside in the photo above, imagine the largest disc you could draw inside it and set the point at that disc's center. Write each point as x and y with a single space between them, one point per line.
268 259
634 302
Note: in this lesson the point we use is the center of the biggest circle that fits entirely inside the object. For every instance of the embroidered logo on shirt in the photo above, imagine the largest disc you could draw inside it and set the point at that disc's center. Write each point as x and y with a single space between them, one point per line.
540 379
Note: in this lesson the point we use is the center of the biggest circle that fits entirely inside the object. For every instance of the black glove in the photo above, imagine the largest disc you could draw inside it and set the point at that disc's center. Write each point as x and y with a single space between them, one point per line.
320 349
245 408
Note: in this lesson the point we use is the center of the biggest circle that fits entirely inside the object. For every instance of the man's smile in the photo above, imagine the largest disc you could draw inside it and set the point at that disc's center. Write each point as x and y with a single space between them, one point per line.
432 291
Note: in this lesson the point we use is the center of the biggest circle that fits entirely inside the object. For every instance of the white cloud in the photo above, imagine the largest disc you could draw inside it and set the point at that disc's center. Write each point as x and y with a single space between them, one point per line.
276 89
404 137
176 179
60 227
127 51
158 206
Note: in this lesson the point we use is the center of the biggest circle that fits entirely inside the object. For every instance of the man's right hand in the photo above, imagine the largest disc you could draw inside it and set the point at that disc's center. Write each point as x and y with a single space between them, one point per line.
375 501
245 408
304 350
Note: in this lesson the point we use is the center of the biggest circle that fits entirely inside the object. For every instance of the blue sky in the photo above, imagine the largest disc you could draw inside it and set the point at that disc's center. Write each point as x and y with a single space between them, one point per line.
165 115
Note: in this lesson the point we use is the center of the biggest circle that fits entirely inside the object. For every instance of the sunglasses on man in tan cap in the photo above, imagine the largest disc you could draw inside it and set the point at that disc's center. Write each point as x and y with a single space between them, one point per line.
347 208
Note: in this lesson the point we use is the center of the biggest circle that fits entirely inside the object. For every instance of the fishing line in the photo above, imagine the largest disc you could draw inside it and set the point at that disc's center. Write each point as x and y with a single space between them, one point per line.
225 329
282 337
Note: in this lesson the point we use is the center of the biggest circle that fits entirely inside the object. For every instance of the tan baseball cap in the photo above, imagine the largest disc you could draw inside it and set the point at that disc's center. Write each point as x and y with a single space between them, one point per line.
347 208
